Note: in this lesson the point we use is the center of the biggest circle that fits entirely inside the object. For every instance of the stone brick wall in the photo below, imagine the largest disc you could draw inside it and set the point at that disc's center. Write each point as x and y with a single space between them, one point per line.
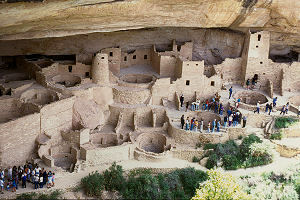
17 140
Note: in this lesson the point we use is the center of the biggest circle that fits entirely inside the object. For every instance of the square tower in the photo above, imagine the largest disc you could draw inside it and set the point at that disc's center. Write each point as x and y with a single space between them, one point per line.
255 55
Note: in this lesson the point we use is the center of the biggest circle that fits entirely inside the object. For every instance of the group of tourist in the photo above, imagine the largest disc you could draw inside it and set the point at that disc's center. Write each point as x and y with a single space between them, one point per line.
232 119
27 173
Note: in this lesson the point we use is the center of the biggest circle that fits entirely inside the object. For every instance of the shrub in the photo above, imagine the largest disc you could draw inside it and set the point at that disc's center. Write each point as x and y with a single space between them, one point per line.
113 177
195 159
190 179
220 186
231 162
284 122
56 194
209 146
247 141
145 186
240 137
212 161
93 184
276 136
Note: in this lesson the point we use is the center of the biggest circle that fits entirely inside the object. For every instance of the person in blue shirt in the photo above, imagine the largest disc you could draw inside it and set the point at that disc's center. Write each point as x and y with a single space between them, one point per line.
274 101
230 92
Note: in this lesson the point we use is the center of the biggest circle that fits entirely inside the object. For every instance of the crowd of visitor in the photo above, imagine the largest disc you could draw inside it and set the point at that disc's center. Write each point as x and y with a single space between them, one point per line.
29 173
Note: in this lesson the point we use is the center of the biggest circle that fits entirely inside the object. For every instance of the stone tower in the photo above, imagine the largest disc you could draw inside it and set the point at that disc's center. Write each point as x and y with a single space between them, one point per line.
100 70
255 56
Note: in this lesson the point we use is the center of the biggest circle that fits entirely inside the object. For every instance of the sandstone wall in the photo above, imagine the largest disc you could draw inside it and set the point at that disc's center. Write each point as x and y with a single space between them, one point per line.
57 117
17 140
230 70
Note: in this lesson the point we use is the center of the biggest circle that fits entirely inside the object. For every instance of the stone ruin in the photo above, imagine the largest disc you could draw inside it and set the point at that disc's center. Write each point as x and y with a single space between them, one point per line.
124 104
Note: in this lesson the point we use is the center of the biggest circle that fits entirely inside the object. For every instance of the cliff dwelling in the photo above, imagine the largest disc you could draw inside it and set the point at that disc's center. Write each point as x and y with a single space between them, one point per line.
73 99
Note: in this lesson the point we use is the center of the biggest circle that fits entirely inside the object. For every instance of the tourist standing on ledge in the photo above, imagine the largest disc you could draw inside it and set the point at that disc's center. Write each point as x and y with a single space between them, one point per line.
270 108
244 121
287 107
282 110
187 122
182 121
274 101
257 107
218 126
213 125
181 100
187 106
208 127
196 125
248 83
230 92
267 107
201 125
225 121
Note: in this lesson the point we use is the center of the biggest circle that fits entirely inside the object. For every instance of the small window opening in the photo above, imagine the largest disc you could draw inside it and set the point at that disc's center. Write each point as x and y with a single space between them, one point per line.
261 62
102 57
145 57
187 64
196 64
8 91
70 68
134 57
187 82
178 48
256 46
87 74
125 58
110 53
212 83
259 36
1 93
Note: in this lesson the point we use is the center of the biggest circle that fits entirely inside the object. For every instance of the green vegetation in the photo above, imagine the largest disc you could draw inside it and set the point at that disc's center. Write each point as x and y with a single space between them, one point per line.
271 185
220 186
252 152
285 122
33 195
195 159
177 184
93 184
276 136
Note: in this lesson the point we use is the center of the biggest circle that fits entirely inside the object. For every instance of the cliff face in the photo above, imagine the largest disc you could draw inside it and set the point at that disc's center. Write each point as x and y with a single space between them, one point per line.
57 18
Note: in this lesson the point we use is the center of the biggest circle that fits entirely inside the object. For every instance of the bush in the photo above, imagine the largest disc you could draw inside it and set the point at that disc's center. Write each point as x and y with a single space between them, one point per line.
93 184
209 146
231 162
190 179
284 122
113 177
240 137
212 161
276 136
195 159
56 194
220 186
145 186
247 141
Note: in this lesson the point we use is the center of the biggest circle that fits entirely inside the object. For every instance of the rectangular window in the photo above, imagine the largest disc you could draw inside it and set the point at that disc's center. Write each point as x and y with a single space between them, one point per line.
70 68
102 57
212 83
87 74
110 53
134 56
259 36
145 57
187 82
125 58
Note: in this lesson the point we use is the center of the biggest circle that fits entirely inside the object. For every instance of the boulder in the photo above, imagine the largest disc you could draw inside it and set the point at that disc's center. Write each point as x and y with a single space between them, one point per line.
86 114
203 161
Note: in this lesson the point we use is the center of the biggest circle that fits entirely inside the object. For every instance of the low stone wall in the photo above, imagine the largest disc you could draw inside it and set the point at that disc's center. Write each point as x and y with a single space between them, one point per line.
191 137
142 155
187 154
97 156
130 95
